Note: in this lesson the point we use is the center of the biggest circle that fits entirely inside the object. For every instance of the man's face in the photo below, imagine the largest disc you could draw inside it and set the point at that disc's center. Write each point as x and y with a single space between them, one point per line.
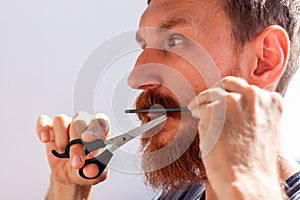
187 48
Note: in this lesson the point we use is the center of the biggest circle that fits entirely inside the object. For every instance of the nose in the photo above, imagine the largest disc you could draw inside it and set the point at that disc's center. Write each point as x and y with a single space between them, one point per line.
145 74
157 69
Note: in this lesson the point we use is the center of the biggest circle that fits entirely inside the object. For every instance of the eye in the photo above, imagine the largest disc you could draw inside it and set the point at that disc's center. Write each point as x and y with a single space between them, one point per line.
175 40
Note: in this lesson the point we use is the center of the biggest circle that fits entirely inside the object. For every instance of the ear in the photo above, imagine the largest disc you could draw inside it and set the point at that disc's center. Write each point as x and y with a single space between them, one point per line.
272 51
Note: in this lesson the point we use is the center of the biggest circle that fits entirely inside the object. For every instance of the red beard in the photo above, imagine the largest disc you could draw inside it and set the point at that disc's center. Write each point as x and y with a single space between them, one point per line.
170 165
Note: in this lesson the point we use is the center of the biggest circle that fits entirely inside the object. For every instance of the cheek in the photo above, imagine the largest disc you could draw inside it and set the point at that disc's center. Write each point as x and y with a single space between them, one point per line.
202 69
221 58
195 70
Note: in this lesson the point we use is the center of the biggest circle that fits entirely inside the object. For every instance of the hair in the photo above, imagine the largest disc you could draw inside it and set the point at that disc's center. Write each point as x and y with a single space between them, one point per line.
250 17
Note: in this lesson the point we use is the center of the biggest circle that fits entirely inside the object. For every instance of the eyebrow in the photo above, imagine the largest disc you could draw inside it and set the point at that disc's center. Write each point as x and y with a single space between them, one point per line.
174 21
168 24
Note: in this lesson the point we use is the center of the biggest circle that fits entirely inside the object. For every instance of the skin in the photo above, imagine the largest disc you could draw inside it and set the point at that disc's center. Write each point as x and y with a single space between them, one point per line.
65 180
253 111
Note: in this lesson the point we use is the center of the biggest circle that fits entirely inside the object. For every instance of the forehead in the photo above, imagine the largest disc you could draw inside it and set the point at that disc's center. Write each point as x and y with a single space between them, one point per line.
190 11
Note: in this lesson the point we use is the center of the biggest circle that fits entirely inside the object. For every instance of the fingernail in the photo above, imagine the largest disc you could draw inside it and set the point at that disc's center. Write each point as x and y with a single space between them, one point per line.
87 133
76 160
44 136
88 136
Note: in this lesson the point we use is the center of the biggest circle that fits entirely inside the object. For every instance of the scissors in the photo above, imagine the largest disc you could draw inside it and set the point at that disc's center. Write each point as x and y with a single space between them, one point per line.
108 146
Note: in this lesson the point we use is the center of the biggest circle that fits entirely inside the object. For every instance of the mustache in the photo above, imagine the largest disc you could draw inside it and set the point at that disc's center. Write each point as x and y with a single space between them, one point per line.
154 99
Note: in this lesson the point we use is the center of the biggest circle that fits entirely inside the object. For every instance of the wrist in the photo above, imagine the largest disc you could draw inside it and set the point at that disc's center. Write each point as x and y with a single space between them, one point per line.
62 191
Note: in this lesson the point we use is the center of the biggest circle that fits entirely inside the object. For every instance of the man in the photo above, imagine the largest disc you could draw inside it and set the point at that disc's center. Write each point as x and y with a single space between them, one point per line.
231 137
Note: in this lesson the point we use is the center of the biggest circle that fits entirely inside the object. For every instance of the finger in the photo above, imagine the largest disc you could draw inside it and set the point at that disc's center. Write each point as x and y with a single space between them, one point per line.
207 97
212 117
233 84
60 128
98 128
92 170
77 154
43 126
197 111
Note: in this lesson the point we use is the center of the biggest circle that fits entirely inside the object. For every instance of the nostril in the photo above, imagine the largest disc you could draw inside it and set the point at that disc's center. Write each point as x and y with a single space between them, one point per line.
149 75
145 77
149 86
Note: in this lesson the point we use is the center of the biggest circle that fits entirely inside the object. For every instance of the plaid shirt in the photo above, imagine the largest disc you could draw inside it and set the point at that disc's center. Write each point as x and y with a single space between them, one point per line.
193 191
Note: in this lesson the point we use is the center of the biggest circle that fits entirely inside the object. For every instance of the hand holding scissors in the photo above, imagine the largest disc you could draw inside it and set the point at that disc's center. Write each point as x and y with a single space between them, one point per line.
108 146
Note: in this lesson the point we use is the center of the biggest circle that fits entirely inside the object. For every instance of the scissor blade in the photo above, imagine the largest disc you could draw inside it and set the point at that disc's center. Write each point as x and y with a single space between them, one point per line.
147 126
122 139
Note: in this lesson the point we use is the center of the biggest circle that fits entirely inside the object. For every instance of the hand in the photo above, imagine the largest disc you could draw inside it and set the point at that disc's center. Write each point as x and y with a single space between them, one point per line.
239 128
57 133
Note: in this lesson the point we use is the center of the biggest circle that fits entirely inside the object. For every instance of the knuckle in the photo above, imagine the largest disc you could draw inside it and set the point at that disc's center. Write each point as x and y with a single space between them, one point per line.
251 90
233 103
227 79
60 145
60 118
251 94
104 124
230 79
231 99
103 119
277 99
42 123
40 118
61 121
78 126
77 149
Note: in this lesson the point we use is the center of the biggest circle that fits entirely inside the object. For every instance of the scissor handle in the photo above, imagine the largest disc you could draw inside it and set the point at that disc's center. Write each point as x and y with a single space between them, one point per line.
101 161
89 147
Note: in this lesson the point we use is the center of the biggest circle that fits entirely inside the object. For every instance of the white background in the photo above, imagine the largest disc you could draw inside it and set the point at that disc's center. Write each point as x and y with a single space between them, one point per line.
43 44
